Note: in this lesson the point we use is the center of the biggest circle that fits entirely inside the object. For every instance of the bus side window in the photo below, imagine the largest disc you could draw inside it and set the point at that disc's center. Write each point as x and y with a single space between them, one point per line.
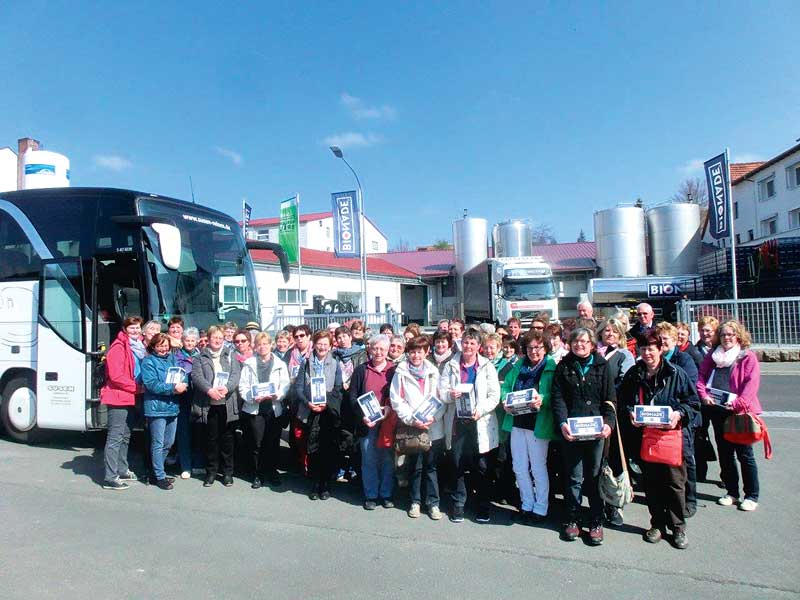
18 259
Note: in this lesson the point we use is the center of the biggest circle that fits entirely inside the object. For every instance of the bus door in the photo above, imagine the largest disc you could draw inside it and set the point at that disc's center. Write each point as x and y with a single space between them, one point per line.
63 365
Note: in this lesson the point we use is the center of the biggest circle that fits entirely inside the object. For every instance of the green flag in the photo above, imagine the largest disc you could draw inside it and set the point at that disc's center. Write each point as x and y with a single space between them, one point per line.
289 229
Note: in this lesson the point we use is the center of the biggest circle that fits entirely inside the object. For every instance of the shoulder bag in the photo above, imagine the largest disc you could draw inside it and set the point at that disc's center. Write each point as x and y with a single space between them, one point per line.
616 490
664 446
409 439
748 429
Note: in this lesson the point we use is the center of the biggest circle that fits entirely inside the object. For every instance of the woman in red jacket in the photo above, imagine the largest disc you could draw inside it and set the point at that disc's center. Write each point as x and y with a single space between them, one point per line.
119 396
732 367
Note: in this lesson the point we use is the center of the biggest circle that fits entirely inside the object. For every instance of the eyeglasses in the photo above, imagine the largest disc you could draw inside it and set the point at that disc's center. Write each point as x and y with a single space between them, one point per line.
727 335
535 348
299 335
539 328
582 342
241 341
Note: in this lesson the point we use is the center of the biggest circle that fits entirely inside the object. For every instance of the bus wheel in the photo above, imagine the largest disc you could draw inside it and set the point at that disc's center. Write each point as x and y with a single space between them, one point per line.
18 411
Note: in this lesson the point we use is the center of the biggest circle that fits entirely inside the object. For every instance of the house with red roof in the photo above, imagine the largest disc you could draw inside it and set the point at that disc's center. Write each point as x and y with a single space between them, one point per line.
766 199
316 232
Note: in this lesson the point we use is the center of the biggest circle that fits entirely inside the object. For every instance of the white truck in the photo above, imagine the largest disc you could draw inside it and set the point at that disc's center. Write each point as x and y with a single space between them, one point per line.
500 288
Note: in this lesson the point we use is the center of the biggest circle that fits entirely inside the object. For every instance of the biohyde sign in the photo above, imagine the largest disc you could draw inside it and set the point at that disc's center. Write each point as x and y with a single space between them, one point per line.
346 232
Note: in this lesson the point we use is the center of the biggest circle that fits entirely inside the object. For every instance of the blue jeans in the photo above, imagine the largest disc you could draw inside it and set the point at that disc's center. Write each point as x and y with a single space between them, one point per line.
162 436
728 453
184 434
425 463
377 467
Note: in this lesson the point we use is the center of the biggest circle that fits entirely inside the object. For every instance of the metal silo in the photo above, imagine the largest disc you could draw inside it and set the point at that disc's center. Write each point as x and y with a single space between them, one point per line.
512 238
619 235
469 245
674 232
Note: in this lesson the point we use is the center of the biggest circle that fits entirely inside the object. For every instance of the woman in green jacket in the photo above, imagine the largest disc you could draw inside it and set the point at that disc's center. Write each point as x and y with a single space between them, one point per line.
531 432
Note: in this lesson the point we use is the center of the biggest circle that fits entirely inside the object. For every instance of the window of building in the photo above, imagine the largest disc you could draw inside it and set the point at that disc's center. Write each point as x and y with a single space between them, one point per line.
738 239
769 226
766 188
750 235
327 232
793 176
263 235
374 245
794 218
289 296
735 210
233 294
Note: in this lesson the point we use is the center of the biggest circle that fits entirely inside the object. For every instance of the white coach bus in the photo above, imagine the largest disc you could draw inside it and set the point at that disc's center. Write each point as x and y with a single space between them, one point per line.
74 262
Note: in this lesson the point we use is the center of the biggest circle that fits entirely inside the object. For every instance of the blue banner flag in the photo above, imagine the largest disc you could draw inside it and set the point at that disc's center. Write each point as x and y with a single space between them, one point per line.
718 202
346 229
246 212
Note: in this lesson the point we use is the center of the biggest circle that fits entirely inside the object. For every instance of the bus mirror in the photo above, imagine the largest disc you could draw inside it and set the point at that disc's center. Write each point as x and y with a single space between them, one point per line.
169 241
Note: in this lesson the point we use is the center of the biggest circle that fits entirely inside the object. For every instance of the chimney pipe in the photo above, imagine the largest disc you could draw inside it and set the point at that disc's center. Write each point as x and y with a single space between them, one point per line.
23 145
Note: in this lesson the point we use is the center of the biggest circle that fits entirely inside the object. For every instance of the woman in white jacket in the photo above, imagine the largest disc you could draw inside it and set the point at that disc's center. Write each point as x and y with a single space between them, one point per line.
415 380
473 440
263 408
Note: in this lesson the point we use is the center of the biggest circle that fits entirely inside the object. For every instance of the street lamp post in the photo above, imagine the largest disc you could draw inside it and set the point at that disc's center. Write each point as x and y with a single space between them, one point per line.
337 152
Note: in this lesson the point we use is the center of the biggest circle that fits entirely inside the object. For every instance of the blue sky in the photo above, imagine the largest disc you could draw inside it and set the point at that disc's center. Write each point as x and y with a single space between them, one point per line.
547 111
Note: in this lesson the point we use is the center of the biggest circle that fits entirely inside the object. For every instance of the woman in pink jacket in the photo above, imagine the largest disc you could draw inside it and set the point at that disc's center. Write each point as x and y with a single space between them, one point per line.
732 367
119 395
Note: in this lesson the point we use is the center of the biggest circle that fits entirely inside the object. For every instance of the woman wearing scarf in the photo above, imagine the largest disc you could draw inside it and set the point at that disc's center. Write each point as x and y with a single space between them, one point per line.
123 371
531 433
377 463
216 404
472 441
243 345
583 386
505 489
612 332
283 343
442 349
732 367
349 356
322 421
415 380
184 357
261 412
161 403
707 327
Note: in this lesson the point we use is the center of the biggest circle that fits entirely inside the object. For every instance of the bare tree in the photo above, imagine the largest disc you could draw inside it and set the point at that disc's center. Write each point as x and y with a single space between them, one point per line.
401 246
543 234
692 189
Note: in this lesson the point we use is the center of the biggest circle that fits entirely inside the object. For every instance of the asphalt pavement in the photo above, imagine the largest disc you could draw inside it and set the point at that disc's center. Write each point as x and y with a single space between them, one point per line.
64 537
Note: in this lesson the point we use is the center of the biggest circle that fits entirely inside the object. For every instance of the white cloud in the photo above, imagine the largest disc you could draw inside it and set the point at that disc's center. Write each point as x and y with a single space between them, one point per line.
352 139
692 167
233 156
746 157
113 162
359 110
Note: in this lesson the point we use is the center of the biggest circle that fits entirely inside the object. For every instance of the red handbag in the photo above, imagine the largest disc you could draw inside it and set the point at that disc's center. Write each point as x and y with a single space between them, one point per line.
664 446
748 429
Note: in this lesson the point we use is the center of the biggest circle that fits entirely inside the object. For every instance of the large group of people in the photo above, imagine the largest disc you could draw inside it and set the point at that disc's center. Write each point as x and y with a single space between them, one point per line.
448 415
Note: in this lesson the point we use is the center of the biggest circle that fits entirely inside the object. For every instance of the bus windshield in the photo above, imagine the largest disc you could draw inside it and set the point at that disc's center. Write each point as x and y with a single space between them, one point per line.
539 289
215 280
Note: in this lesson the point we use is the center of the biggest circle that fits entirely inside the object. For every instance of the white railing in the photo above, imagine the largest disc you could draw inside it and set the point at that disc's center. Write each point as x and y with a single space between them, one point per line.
317 321
770 321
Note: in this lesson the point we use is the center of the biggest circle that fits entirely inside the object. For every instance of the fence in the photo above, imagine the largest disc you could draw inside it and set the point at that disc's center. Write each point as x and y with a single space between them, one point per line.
373 321
770 321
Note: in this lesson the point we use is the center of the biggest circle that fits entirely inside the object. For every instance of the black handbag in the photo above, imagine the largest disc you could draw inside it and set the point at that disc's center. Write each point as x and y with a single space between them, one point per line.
411 440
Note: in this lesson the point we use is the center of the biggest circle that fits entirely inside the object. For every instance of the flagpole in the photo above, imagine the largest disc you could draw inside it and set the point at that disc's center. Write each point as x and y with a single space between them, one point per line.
732 218
299 259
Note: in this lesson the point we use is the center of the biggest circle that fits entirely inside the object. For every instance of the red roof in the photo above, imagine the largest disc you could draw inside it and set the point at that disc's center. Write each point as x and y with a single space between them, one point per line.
303 219
739 170
320 259
574 256
425 263
758 166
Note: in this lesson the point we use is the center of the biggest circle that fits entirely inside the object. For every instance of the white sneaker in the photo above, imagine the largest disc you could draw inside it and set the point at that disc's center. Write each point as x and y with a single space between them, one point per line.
414 511
726 500
748 505
186 475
